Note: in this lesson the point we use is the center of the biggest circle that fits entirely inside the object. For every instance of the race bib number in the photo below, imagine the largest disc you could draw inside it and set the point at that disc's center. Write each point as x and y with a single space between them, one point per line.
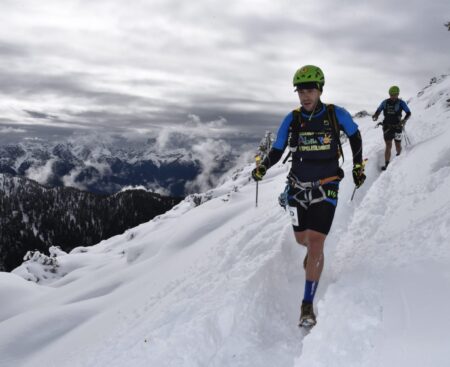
398 136
293 214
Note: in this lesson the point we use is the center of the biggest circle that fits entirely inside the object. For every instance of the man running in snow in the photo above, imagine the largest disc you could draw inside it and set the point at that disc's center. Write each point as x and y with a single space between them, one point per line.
310 132
392 124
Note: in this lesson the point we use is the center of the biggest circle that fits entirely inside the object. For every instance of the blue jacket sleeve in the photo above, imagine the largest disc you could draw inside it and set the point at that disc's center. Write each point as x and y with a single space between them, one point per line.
380 108
283 133
404 106
351 130
280 143
345 121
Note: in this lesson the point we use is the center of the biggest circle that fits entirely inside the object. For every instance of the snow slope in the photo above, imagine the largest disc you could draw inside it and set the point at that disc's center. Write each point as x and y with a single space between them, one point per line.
220 284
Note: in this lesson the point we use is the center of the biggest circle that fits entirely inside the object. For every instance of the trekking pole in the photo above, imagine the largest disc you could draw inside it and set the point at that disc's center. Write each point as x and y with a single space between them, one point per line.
257 161
407 141
354 190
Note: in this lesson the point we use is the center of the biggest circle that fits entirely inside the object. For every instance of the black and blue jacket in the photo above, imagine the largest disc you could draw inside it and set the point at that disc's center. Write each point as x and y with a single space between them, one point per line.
317 154
392 110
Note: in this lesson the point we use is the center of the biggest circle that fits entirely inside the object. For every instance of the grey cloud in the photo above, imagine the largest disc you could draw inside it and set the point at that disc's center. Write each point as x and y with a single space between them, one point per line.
33 132
75 85
8 49
149 65
40 115
10 129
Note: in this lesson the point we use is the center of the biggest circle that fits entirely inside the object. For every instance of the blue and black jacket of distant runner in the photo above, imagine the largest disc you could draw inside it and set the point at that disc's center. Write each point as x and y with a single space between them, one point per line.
392 111
314 142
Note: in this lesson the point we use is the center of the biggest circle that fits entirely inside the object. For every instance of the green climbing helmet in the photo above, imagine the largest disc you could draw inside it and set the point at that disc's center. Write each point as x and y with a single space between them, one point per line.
307 74
394 91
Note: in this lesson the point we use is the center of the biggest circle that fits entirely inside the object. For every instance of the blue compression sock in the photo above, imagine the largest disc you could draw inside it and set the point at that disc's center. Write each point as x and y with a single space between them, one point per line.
310 291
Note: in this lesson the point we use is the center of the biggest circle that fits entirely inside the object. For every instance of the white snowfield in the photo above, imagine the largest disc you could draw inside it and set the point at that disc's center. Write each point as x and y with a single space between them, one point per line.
221 284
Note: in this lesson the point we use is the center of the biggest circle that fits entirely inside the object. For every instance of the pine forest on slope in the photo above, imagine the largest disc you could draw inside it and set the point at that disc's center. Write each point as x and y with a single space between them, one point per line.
35 217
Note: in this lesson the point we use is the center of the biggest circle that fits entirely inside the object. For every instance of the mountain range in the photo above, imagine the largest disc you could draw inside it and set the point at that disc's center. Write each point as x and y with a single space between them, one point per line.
108 168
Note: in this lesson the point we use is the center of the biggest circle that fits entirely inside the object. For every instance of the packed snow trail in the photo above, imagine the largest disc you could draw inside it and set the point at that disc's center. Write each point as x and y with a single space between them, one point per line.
220 284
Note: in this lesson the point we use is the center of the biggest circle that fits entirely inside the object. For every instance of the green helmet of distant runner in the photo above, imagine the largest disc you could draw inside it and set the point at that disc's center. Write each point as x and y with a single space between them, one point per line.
394 91
309 75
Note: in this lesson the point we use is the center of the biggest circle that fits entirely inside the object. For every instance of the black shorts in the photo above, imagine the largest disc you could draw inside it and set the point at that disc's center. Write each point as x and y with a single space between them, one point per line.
317 216
392 132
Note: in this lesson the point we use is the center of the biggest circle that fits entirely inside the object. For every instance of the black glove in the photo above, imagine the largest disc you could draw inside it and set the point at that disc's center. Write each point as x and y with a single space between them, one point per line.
374 117
259 172
358 174
403 123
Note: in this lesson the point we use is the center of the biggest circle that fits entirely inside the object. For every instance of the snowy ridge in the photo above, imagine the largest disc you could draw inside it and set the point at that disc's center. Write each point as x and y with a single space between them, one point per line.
220 284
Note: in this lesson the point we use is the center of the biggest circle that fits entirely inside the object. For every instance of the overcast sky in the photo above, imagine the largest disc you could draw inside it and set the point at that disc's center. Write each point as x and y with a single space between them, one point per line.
142 66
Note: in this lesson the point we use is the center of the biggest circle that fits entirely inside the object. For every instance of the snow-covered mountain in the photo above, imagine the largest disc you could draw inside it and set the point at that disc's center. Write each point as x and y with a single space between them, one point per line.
220 284
108 167
35 217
